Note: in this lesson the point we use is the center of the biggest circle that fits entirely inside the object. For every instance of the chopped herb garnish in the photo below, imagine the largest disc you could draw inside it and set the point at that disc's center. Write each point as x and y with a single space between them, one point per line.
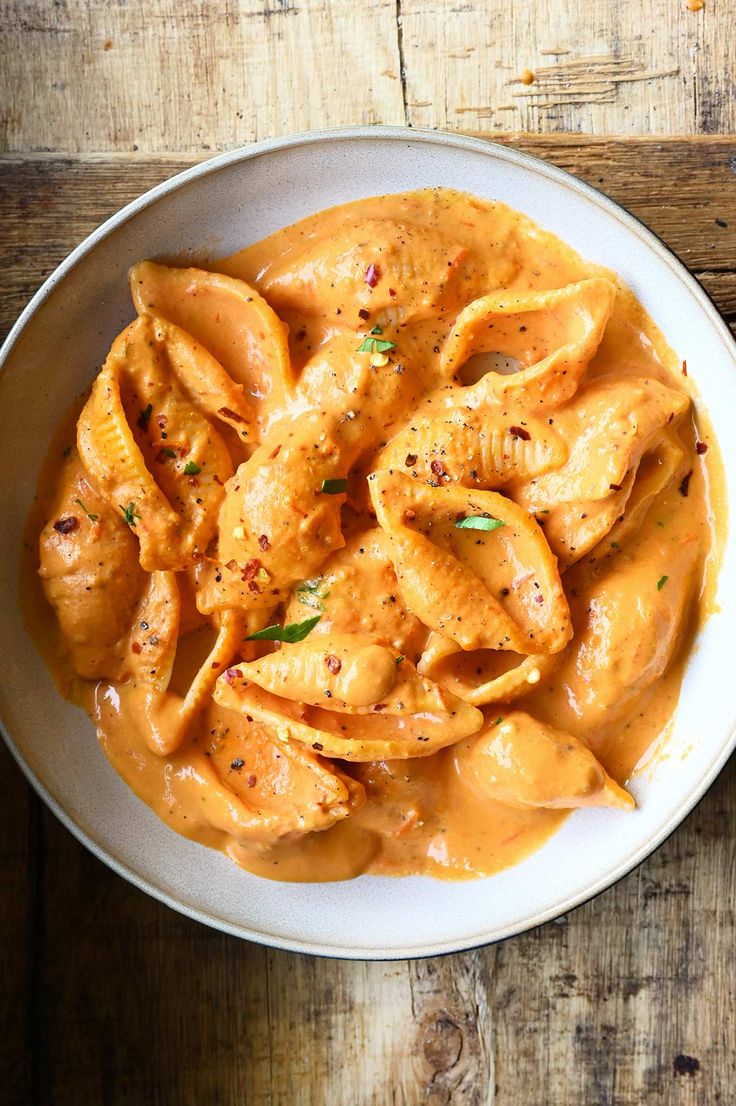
375 345
335 487
376 330
68 451
191 468
400 659
479 522
129 513
312 592
498 721
169 452
661 582
615 545
91 517
293 632
145 416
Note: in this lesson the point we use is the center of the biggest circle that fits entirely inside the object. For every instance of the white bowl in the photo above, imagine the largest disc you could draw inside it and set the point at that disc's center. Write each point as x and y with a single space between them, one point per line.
51 355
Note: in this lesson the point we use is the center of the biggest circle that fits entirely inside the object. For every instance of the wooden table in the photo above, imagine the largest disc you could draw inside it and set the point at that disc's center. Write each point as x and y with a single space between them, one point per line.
108 997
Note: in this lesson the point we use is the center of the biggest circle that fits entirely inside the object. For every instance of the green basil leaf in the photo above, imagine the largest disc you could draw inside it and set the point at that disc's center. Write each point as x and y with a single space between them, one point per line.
293 632
479 522
336 486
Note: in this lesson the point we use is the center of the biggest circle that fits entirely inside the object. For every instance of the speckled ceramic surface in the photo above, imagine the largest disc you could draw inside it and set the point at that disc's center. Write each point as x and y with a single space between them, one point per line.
51 355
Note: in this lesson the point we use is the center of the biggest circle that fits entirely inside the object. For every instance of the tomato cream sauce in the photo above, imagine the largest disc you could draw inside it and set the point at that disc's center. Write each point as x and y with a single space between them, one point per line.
455 466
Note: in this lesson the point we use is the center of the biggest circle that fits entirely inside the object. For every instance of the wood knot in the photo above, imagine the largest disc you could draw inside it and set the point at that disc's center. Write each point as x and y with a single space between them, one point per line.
442 1043
685 1065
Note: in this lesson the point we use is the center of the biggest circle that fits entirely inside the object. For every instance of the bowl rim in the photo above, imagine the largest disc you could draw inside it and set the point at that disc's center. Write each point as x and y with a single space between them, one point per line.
488 148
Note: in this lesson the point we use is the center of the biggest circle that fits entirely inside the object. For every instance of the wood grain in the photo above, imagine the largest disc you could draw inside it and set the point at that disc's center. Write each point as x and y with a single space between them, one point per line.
85 75
108 997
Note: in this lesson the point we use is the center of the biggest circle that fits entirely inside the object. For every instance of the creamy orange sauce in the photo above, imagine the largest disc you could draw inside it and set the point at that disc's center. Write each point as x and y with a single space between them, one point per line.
456 465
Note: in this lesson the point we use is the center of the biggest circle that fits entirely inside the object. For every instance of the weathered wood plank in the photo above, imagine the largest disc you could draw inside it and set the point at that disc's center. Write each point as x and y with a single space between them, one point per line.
88 75
599 68
123 1001
84 75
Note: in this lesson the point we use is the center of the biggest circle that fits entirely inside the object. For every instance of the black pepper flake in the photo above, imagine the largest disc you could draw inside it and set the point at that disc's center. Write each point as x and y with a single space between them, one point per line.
685 483
615 487
318 746
237 764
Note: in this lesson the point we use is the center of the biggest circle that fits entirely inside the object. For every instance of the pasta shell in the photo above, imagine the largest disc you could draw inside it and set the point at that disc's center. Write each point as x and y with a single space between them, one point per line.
137 423
362 568
481 676
622 647
362 265
229 319
276 524
552 335
320 694
522 761
621 420
580 502
258 790
485 590
481 449
90 576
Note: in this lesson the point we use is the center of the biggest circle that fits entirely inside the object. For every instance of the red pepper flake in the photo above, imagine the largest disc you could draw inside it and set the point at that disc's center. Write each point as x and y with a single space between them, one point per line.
253 587
237 764
232 564
411 459
615 487
438 468
136 647
161 421
333 663
252 781
66 525
372 275
409 515
301 335
228 414
380 706
215 664
275 453
520 432
251 568
232 674
684 368
701 448
392 292
363 314
263 543
685 483
539 599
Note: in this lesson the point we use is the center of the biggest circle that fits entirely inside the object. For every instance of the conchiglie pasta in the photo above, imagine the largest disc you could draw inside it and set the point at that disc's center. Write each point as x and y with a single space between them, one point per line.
277 523
482 676
151 452
520 760
552 335
228 318
338 593
486 589
349 697
480 449
90 574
